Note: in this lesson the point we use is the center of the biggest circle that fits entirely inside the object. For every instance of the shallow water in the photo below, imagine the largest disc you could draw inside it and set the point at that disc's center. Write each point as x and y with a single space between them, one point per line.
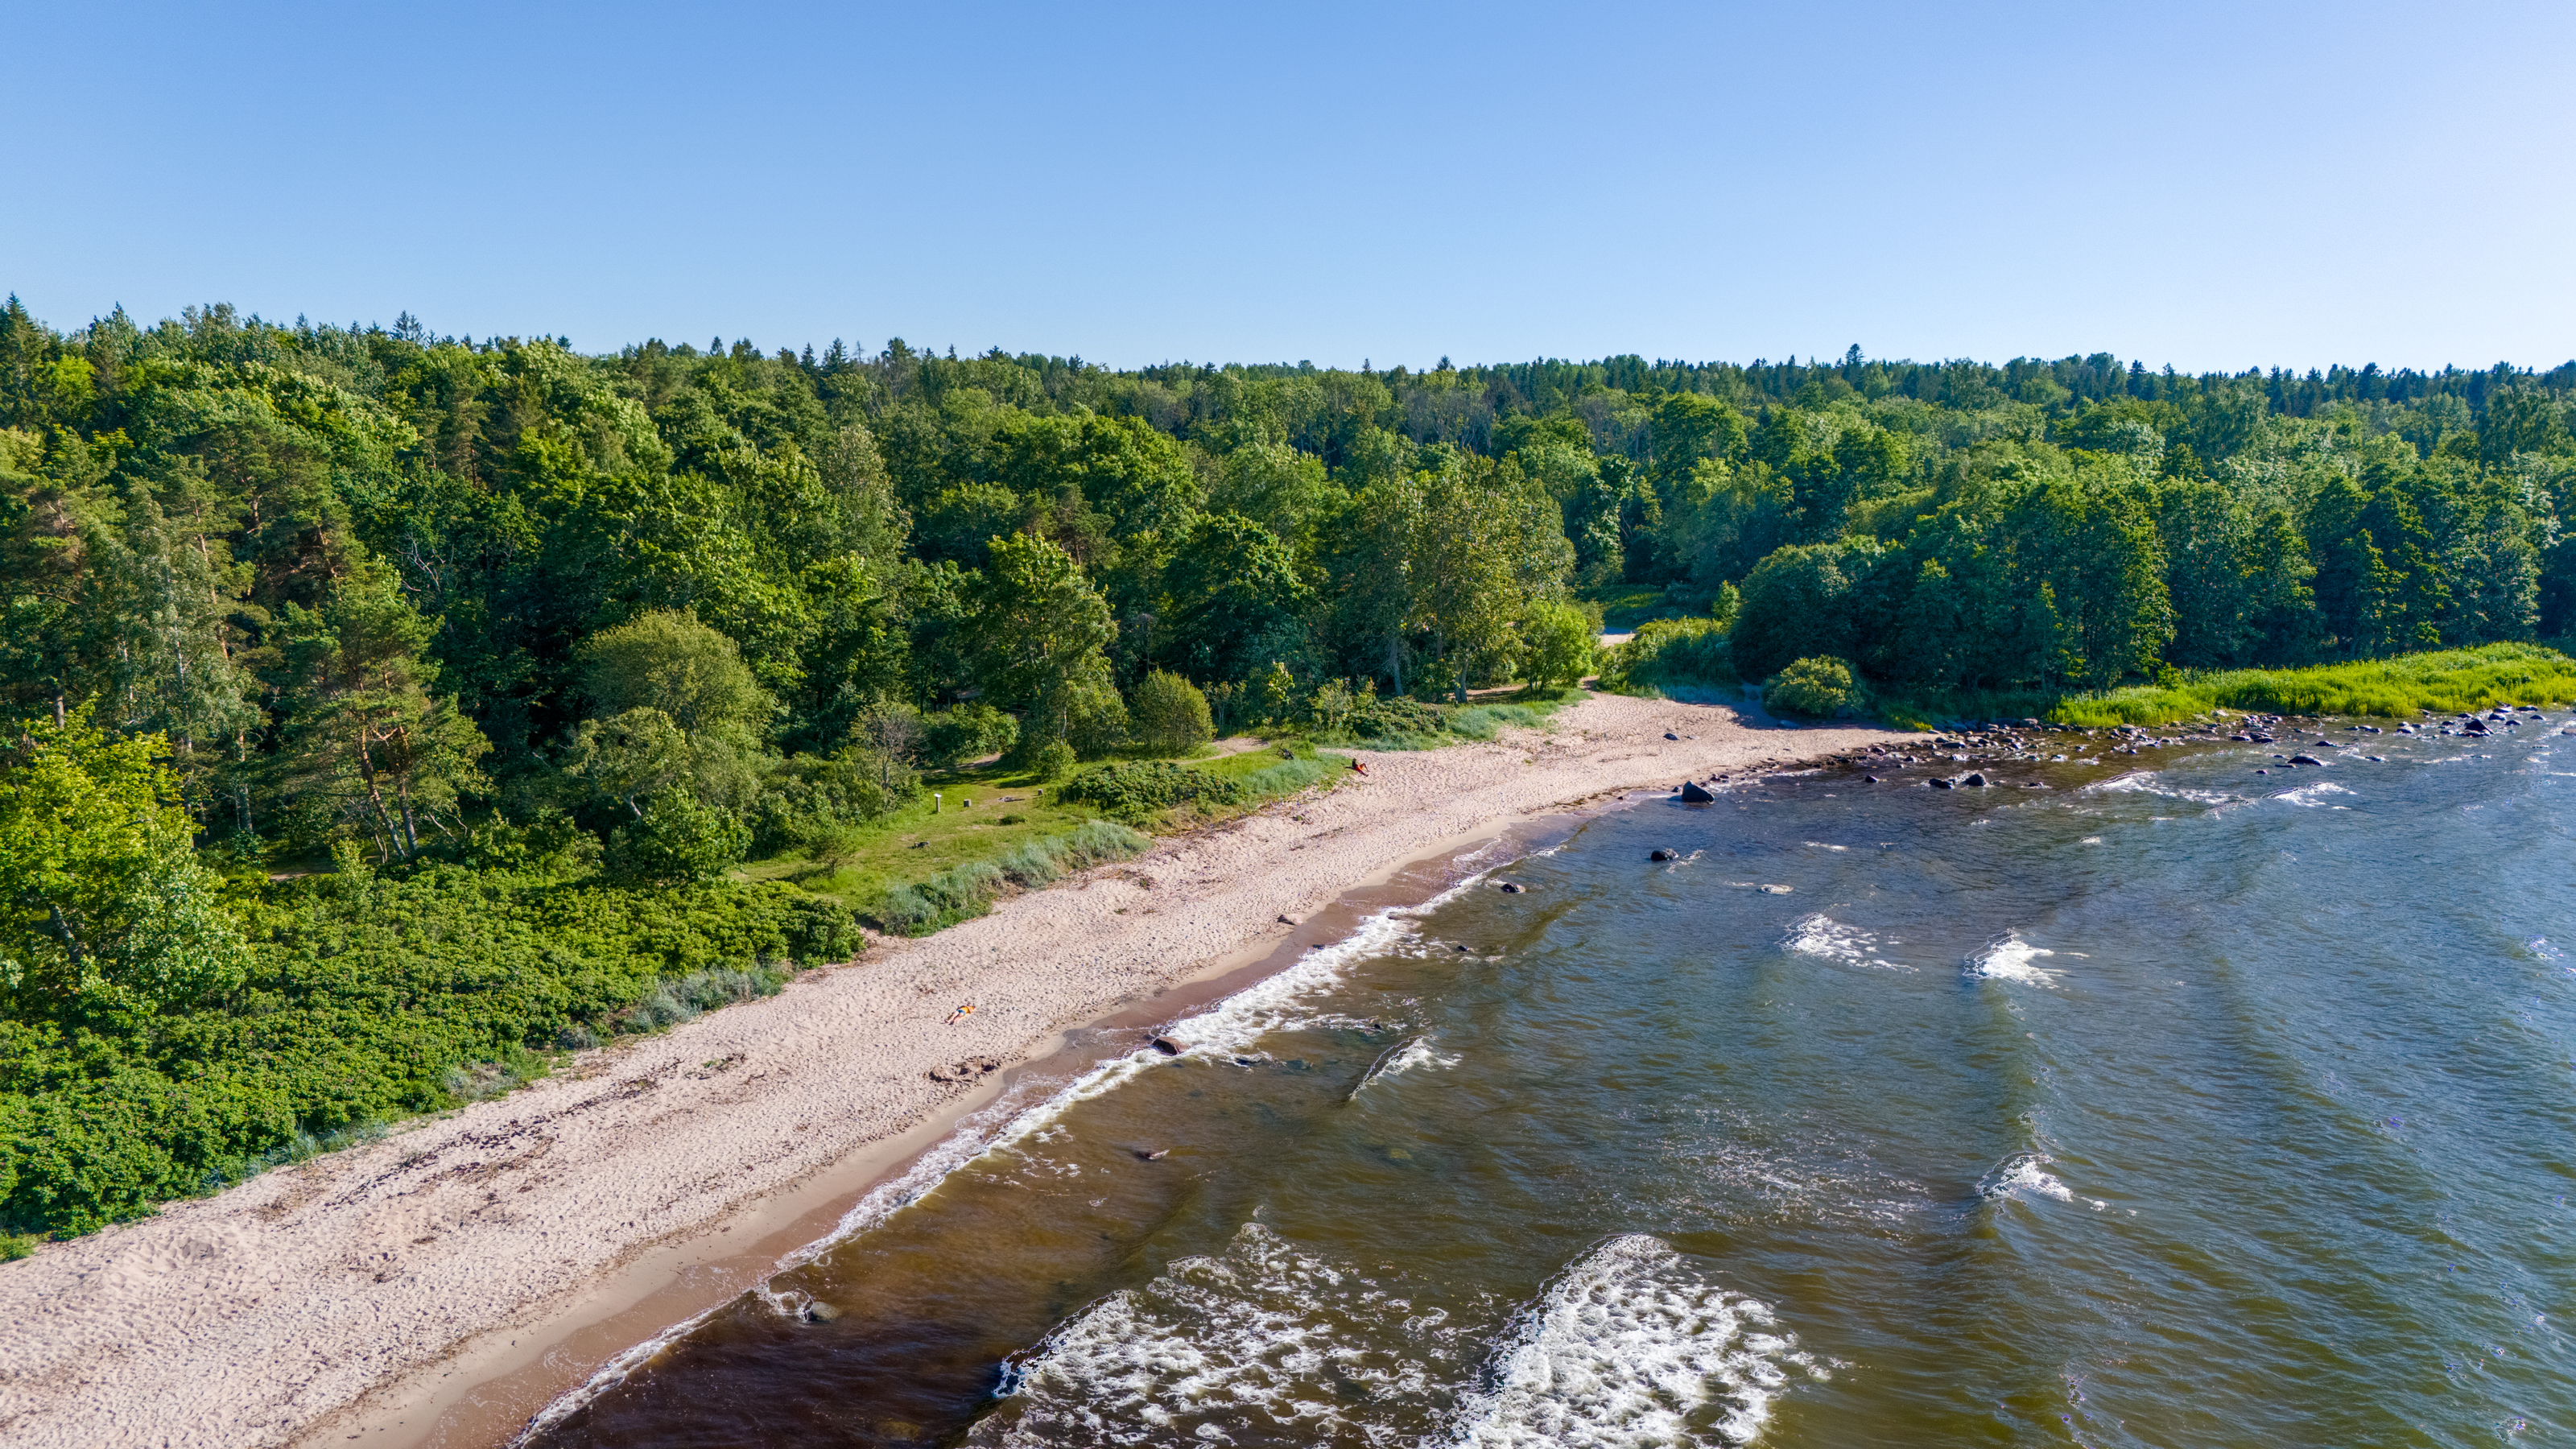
2169 1105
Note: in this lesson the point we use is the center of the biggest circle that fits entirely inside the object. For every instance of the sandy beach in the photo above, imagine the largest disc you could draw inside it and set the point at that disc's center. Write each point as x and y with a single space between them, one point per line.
439 1285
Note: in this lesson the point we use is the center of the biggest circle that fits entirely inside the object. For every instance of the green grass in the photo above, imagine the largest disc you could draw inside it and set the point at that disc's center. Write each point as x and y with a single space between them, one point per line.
914 870
2445 682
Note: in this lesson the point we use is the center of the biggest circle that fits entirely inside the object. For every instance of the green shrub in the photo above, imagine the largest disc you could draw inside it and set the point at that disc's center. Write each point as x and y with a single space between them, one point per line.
966 733
1168 714
1396 720
678 842
1818 688
1053 761
1137 790
1562 639
1670 651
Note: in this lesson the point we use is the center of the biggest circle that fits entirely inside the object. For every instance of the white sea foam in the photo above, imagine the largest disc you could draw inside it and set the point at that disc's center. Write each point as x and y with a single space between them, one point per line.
2010 958
1416 1053
1827 939
2311 796
1404 1056
2023 1172
1265 1338
1227 1028
2150 782
1627 1348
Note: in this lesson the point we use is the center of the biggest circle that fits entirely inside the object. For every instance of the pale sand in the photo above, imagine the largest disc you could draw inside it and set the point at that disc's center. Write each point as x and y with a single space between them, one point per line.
440 1285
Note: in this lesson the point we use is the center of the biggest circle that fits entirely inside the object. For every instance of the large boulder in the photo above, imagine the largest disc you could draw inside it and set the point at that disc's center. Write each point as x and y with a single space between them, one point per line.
1693 794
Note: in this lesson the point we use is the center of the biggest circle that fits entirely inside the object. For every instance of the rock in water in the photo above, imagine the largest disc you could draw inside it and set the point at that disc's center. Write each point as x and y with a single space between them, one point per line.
1166 1046
820 1312
1659 855
1511 888
1693 794
1939 783
2306 760
1157 1155
1775 890
1973 780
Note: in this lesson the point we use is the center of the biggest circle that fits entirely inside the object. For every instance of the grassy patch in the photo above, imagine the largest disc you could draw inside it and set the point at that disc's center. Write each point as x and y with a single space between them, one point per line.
968 889
2444 682
914 871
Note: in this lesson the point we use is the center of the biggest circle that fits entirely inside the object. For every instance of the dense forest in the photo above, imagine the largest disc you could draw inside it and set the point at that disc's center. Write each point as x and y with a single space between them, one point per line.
480 621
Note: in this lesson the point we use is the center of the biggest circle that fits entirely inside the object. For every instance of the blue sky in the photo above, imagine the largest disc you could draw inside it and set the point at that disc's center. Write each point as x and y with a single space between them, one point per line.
2214 186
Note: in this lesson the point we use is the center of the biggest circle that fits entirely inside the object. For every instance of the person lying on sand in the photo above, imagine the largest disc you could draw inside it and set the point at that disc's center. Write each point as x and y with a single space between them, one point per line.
960 1014
1357 767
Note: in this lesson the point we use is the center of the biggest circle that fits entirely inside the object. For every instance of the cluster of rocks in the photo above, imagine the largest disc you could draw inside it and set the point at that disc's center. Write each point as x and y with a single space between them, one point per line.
2031 741
2484 726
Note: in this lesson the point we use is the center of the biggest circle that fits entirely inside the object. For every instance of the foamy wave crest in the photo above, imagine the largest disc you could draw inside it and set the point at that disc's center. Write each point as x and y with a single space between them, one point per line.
1266 1341
2025 1173
1631 1347
2148 782
2311 796
2011 958
1827 939
1404 1056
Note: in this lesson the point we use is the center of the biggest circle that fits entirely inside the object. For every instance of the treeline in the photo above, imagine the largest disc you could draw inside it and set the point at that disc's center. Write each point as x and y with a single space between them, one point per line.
369 582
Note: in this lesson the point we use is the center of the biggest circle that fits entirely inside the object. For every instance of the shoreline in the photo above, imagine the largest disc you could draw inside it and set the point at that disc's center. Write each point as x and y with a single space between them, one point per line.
471 1267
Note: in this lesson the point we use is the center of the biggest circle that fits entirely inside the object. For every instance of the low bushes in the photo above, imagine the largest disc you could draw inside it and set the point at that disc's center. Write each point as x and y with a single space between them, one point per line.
1670 651
1818 688
1137 790
368 997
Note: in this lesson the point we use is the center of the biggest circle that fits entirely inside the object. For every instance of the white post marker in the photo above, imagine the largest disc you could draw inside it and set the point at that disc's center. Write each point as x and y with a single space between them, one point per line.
934 802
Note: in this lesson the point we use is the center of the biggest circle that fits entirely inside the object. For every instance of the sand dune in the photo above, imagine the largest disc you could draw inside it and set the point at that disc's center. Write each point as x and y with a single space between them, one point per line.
439 1285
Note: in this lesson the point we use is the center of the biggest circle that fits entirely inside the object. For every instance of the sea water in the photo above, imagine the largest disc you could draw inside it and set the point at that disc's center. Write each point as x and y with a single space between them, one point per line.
2146 1101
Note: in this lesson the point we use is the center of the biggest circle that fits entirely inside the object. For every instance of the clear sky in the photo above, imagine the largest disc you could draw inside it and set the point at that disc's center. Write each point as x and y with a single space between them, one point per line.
2214 186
